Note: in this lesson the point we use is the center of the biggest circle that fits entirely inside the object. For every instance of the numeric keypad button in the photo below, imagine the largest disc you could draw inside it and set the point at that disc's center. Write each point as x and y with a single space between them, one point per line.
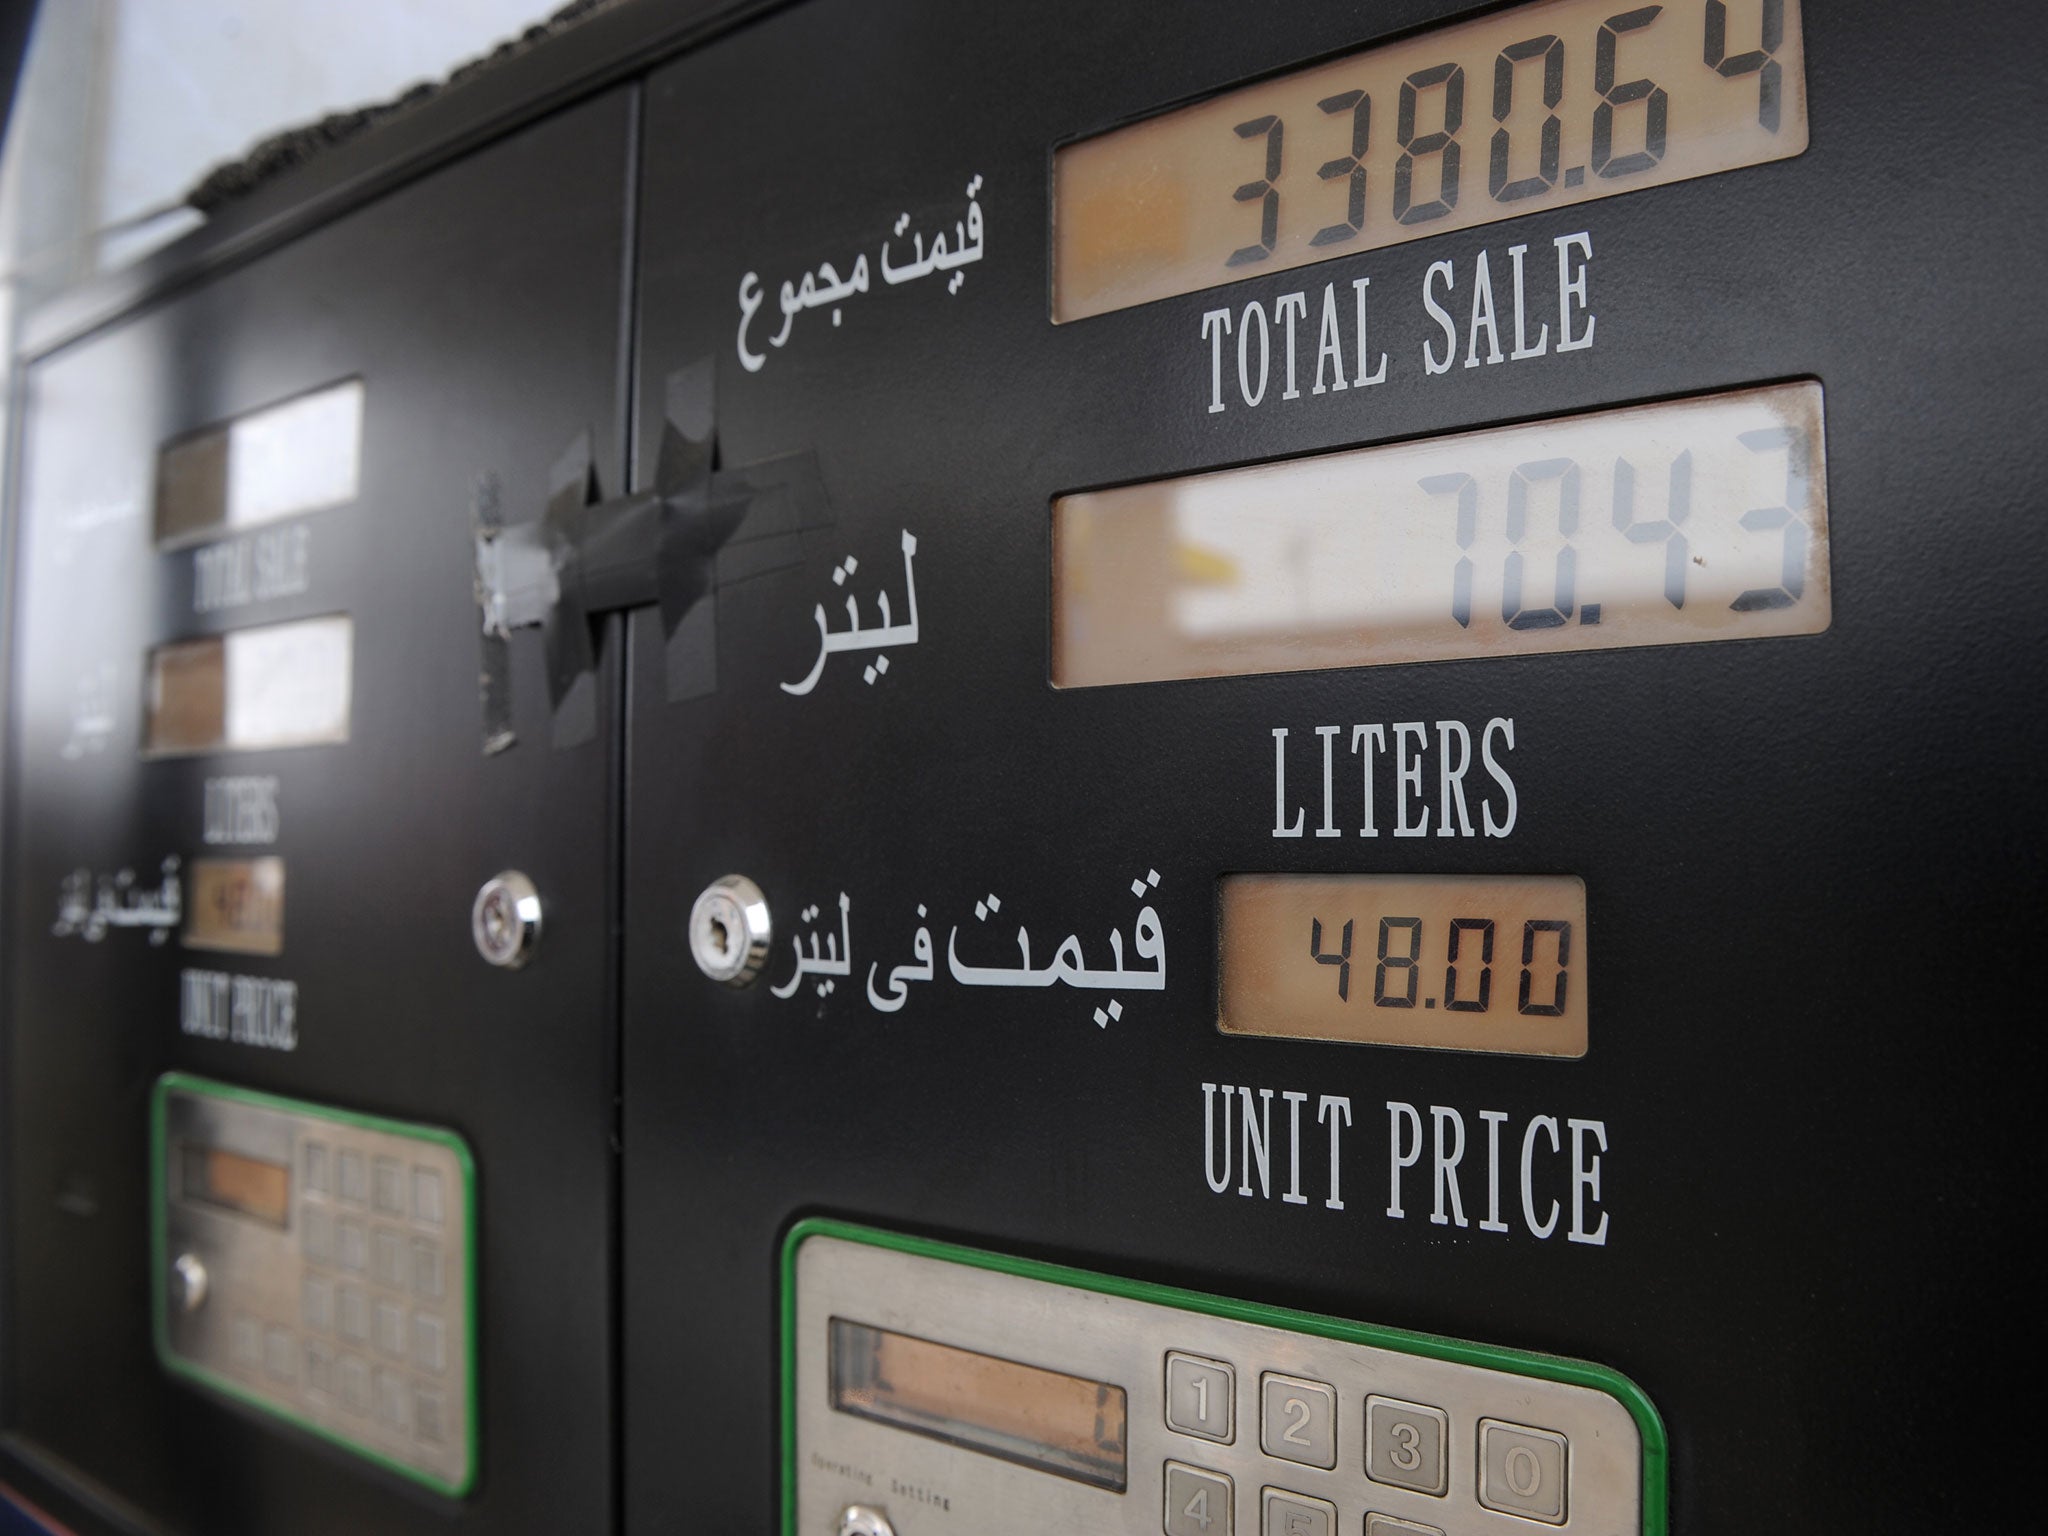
354 1183
429 1342
317 1233
315 1155
426 1196
427 1278
388 1177
1201 1397
316 1303
1198 1502
352 1315
1522 1471
1298 1420
1404 1445
428 1416
319 1368
1387 1525
1295 1514
352 1245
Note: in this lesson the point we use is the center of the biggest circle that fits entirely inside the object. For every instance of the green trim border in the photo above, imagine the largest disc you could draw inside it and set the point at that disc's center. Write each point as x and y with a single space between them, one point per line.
1579 1373
159 1200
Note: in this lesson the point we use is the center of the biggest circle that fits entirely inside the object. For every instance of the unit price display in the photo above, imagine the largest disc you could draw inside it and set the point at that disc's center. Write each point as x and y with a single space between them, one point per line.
1700 519
1454 962
1527 109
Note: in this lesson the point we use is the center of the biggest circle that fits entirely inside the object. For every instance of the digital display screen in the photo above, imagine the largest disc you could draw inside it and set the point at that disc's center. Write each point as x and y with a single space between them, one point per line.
1514 112
1022 1413
1699 519
294 457
1449 962
279 685
236 906
247 1185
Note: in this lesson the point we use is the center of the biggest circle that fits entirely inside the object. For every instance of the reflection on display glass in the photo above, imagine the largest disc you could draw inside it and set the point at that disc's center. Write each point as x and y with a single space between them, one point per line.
247 1185
1454 962
1700 519
1522 110
295 457
280 685
1022 1413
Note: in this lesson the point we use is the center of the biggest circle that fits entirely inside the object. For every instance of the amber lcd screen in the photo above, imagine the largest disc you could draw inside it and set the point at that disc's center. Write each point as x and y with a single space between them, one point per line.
236 906
1700 519
277 685
297 456
1023 1413
215 1176
1452 962
1515 112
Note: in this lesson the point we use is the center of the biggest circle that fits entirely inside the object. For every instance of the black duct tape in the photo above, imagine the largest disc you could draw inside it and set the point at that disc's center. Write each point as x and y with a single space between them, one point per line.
699 529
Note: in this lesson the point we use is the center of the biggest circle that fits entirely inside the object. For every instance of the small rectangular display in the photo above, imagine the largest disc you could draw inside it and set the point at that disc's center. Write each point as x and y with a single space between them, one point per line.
298 456
1514 112
236 906
279 685
215 1176
1022 1413
1448 962
1700 519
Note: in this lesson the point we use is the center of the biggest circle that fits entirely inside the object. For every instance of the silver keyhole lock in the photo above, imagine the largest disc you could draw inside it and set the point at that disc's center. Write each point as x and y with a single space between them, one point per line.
505 920
729 930
188 1282
859 1520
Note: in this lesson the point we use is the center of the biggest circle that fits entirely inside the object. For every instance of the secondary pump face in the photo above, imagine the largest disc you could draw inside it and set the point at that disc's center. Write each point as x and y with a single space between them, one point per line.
945 771
308 1205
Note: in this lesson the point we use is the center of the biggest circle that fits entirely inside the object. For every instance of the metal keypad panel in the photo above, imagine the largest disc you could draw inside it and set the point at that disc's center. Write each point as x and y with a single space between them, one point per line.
1241 1419
351 1314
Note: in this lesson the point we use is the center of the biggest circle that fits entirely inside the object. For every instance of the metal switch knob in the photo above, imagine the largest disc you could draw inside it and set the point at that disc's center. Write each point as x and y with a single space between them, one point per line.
505 920
859 1520
188 1282
729 930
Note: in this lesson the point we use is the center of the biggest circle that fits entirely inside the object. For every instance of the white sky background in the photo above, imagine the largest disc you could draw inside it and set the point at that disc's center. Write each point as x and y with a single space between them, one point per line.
194 82
125 104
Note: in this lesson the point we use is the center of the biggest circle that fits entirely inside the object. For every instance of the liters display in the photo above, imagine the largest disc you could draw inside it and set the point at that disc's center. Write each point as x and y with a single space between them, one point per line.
1699 519
1454 962
1526 109
276 685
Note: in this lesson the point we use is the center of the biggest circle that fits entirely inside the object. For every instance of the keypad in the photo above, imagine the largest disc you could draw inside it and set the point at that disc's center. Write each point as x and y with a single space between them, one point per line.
1407 1450
353 1314
372 1338
1234 1419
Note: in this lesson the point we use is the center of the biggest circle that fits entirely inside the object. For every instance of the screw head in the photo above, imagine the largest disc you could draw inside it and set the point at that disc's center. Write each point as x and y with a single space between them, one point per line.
729 930
505 919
